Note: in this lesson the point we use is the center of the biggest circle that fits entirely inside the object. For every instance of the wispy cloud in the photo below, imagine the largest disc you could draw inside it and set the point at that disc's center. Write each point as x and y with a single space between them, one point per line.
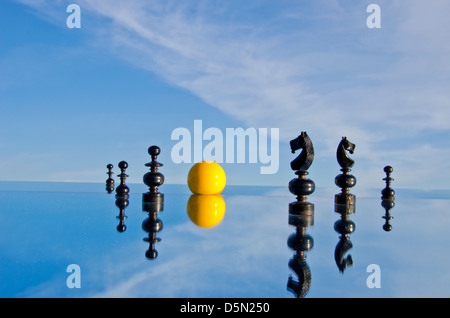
300 66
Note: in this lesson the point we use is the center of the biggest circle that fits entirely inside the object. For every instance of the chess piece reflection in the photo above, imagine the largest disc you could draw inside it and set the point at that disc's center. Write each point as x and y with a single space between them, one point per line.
301 243
387 199
122 189
344 226
110 180
302 186
152 225
387 205
122 202
345 180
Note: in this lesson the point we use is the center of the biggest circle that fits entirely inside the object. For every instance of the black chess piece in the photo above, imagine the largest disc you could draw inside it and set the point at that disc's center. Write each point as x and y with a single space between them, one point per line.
345 180
122 189
153 179
388 193
387 205
153 202
302 186
110 180
152 225
388 199
122 202
344 226
301 243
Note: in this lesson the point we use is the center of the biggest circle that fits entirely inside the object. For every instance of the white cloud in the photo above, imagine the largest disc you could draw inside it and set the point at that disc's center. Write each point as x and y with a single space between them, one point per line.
300 66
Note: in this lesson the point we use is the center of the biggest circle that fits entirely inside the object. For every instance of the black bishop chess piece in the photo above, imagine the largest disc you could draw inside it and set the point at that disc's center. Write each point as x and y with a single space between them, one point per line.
388 199
122 189
345 180
153 179
110 180
302 186
301 243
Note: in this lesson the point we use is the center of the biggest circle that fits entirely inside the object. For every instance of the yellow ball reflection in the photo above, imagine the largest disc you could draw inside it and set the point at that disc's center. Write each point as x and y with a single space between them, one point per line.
206 177
206 210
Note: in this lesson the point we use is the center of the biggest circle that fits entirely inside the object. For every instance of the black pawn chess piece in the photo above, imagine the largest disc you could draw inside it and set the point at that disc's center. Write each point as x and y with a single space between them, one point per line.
152 225
110 180
344 226
122 202
302 186
301 243
122 189
345 180
153 179
388 193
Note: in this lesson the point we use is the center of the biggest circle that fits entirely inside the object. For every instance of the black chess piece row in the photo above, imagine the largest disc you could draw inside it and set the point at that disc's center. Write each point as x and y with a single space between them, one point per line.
303 186
122 189
152 201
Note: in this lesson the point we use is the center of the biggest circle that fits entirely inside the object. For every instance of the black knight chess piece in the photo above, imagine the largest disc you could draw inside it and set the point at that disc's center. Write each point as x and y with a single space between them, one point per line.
153 179
110 180
302 186
122 189
345 180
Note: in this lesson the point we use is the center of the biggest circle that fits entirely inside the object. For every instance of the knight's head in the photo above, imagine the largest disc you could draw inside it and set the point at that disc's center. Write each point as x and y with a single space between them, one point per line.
298 142
349 146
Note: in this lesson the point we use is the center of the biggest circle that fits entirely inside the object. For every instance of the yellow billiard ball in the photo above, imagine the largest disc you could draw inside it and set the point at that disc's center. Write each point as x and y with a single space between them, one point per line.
206 177
206 210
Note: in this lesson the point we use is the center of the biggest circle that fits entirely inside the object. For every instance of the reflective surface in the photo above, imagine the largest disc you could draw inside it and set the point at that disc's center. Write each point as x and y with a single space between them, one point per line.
253 250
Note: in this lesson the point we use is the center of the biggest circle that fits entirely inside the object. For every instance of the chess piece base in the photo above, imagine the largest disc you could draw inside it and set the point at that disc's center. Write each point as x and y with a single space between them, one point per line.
153 202
345 199
301 208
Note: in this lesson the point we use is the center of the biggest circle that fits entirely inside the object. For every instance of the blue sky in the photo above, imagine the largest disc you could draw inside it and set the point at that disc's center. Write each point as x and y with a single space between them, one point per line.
74 100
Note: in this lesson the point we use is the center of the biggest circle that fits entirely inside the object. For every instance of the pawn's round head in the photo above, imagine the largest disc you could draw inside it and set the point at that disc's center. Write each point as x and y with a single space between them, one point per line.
388 169
109 166
123 165
154 151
